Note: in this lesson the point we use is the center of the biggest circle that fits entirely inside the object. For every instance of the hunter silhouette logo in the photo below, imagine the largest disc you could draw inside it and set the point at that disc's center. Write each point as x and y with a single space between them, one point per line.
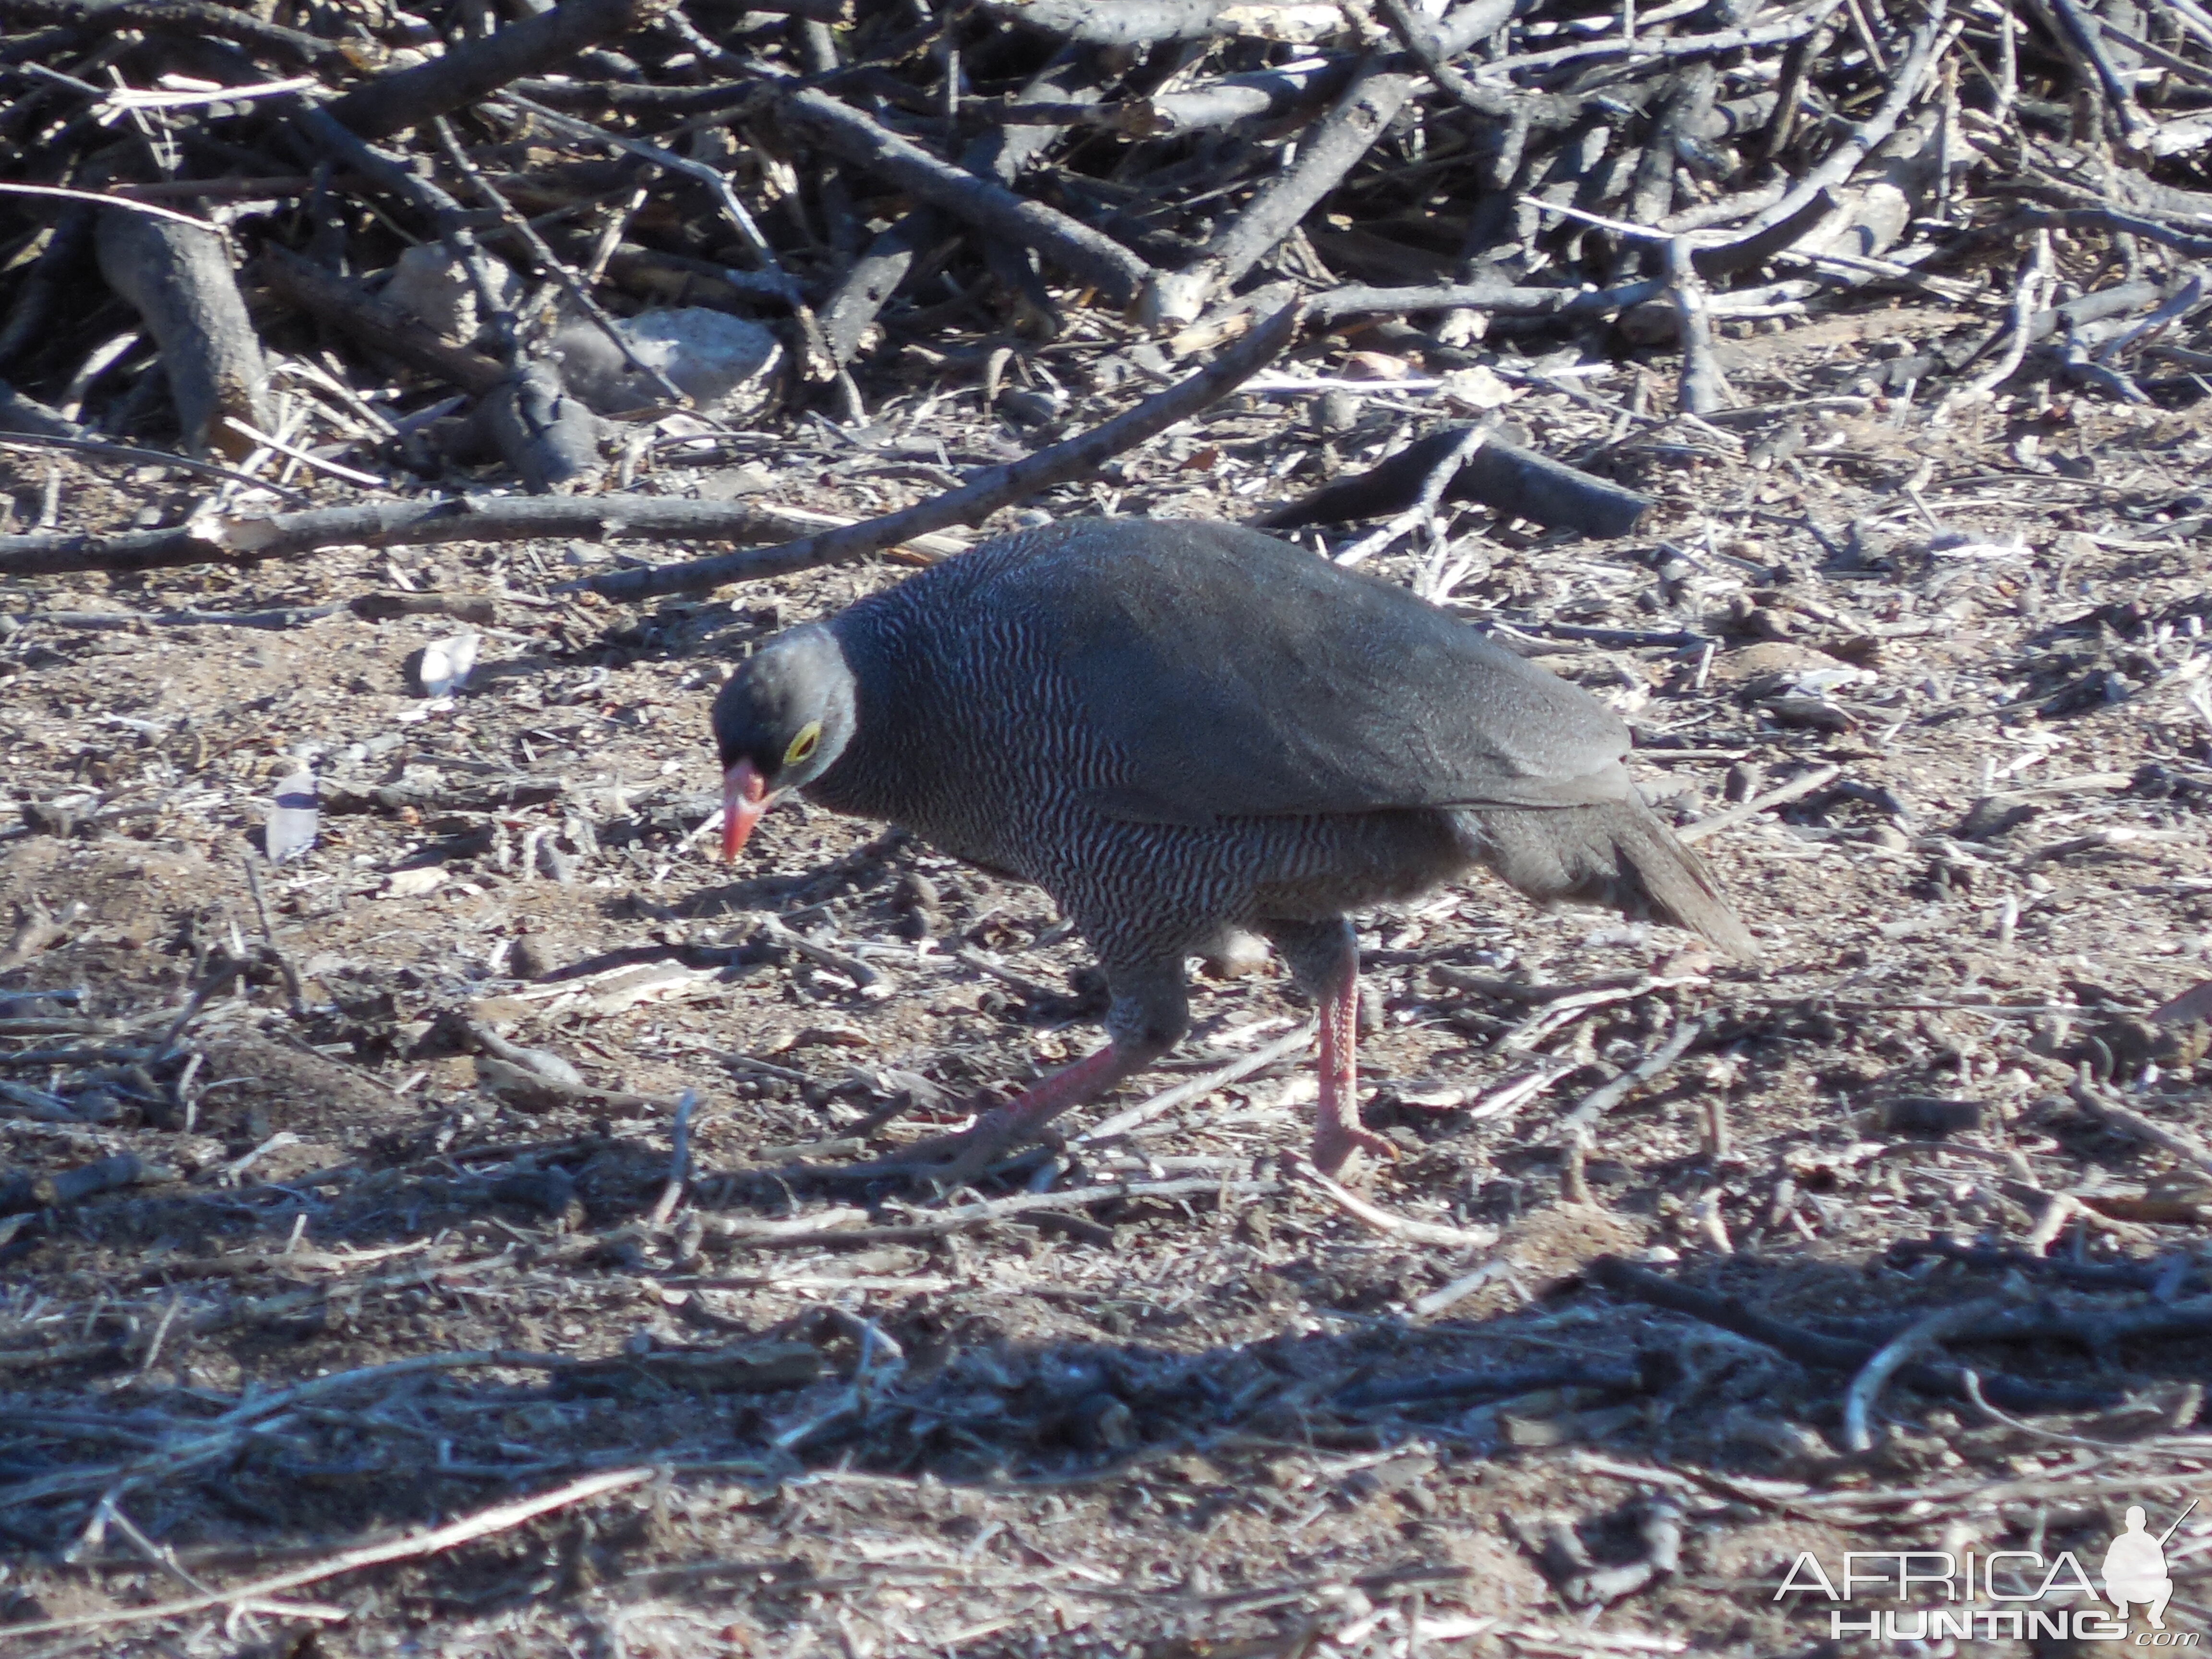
2135 1567
2020 1594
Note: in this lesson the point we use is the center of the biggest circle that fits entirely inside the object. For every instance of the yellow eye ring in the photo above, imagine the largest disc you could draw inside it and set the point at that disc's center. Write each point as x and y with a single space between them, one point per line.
804 744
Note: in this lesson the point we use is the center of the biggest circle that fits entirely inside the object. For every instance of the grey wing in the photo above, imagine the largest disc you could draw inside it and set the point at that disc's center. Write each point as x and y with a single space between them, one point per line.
1309 691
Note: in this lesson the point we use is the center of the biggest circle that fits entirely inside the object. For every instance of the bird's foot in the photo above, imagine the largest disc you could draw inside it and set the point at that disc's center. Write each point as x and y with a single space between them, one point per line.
948 1163
966 1157
1336 1144
945 1163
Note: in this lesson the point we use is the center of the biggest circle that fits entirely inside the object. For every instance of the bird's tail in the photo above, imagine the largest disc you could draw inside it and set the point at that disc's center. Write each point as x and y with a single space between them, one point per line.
1619 854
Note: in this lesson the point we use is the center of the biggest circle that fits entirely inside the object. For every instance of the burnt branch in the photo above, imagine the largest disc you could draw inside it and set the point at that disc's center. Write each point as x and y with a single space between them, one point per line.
402 97
85 21
820 119
1514 482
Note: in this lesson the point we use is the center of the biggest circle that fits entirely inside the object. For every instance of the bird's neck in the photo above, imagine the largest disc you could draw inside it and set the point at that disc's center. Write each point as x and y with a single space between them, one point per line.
876 776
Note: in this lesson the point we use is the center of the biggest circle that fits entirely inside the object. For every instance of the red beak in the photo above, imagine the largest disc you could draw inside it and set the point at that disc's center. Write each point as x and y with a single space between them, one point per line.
745 798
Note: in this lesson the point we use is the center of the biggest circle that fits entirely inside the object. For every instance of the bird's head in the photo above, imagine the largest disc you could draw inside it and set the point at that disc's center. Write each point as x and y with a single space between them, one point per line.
781 722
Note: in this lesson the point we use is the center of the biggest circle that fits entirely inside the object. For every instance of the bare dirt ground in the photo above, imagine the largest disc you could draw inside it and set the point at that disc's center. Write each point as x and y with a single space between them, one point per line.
302 1259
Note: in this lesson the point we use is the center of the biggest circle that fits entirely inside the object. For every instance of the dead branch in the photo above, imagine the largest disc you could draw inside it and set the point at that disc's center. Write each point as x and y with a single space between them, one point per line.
88 20
402 97
998 155
1460 1385
22 1193
1137 22
1361 114
1260 95
1513 482
1858 144
733 210
28 415
2117 221
986 492
2126 1120
1895 1356
96 450
1099 260
1704 389
2175 1272
1510 299
2099 1330
1420 513
1197 1088
2079 39
248 539
485 1523
180 281
1796 789
1832 1353
549 437
375 322
1600 1101
1414 1231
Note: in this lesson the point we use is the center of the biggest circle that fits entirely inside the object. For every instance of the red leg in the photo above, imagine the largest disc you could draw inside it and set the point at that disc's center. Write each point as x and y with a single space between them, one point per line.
1022 1118
1148 1018
1337 1132
1013 1125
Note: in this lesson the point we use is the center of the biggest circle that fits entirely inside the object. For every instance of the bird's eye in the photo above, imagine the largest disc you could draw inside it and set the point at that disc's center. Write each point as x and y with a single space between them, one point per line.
804 744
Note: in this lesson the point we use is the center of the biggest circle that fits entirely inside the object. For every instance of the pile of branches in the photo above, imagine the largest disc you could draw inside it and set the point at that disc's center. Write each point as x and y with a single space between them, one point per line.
218 226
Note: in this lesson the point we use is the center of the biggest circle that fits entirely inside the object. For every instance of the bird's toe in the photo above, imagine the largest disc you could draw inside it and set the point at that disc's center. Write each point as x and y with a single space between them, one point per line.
943 1163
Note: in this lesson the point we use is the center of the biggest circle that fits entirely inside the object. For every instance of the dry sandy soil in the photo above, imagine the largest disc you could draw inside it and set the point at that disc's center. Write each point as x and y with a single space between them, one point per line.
340 1271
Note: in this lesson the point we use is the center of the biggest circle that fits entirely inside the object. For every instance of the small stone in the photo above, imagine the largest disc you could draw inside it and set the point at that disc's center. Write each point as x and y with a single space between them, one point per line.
1335 412
530 959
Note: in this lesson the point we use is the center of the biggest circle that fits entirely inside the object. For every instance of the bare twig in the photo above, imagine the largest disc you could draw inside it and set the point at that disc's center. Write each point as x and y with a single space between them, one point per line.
1515 483
1197 1088
100 450
2029 295
733 209
1894 1356
679 1161
579 291
2126 1120
1705 389
1098 259
1860 142
1423 511
180 280
1600 1101
247 539
1407 1228
485 1523
1796 789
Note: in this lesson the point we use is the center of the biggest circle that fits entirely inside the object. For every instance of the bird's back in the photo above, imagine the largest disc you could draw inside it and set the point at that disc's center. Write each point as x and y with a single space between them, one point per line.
1181 671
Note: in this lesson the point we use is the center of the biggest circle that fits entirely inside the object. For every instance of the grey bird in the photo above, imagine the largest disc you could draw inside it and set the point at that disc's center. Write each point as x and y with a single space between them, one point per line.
1181 730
